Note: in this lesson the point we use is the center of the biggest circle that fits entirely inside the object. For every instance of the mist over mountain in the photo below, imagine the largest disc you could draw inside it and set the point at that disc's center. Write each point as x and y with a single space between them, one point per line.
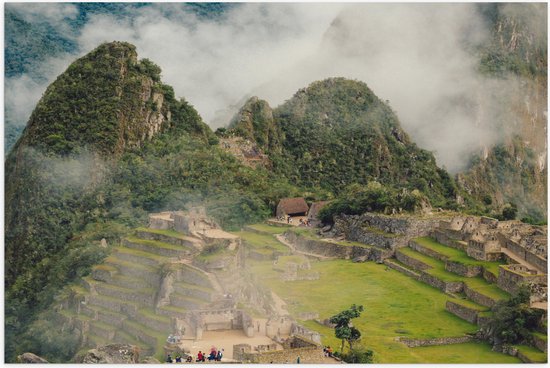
423 58
354 102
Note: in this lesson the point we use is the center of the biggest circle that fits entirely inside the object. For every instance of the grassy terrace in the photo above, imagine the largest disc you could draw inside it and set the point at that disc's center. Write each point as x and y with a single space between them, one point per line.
535 355
395 305
142 254
270 229
438 270
457 255
310 234
154 243
261 241
469 304
170 233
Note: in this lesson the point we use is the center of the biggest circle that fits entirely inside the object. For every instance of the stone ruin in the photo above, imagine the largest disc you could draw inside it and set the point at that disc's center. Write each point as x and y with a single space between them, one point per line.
293 347
523 246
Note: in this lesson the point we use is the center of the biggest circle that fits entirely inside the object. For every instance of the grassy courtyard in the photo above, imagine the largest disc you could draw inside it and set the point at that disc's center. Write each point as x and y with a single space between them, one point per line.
395 305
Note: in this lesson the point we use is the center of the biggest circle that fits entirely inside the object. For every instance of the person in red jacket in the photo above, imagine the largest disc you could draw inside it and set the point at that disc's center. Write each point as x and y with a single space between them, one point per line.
200 357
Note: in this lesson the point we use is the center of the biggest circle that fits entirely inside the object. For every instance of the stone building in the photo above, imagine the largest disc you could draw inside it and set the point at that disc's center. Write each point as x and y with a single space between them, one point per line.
524 247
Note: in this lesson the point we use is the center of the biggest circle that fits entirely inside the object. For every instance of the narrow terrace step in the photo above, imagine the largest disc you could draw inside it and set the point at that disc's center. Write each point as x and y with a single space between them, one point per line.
186 302
121 306
140 332
142 296
102 314
157 247
95 341
157 322
103 330
148 273
194 291
124 338
465 309
194 275
139 257
172 311
170 237
131 282
398 266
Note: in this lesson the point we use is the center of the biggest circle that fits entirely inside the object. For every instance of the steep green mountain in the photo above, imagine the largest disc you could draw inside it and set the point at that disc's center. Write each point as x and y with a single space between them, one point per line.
106 144
337 132
515 171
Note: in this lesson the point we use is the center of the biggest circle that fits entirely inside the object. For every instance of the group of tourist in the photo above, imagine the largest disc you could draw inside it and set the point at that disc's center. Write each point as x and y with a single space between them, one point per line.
327 350
213 356
178 359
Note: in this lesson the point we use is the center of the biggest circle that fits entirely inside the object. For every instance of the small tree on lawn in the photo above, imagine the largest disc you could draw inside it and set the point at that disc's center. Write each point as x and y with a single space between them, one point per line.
344 330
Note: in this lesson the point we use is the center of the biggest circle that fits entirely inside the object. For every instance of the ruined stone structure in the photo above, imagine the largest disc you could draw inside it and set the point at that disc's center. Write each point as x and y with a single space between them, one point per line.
386 232
293 347
522 246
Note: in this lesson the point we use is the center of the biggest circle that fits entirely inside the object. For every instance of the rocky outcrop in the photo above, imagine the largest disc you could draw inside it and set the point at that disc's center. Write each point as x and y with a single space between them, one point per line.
27 358
112 354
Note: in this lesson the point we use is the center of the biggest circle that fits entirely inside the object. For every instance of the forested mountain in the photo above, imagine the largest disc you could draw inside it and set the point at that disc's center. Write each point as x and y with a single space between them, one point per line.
514 172
109 142
106 144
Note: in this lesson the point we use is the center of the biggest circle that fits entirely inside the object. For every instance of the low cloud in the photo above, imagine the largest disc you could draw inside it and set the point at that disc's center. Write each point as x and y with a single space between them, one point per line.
420 57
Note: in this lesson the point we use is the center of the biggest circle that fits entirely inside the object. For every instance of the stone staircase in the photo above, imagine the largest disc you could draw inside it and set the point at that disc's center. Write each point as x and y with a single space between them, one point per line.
119 299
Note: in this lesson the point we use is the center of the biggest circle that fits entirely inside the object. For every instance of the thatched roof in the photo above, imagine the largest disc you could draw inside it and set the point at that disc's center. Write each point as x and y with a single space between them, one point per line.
291 206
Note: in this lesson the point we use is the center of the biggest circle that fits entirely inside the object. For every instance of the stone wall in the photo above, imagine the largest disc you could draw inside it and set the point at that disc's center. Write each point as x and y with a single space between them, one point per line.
478 298
161 221
331 249
383 231
308 353
462 269
476 250
411 262
413 343
540 263
401 269
443 238
540 343
511 276
426 251
445 286
462 311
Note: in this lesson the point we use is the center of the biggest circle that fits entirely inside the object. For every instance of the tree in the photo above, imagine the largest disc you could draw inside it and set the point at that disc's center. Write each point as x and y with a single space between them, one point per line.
513 320
344 330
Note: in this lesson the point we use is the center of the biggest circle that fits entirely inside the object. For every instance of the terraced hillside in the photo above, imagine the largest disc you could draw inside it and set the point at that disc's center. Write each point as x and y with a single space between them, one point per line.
439 295
142 293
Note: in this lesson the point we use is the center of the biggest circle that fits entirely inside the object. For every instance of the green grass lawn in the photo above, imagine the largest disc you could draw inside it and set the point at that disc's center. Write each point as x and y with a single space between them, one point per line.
457 255
261 241
395 305
269 228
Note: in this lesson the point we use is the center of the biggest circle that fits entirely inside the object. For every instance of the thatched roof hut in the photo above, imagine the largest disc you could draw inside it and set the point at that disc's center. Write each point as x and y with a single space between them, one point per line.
292 207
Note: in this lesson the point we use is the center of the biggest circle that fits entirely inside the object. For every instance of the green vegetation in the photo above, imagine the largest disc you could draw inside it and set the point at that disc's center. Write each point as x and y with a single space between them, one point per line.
533 354
397 306
343 329
260 241
513 320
